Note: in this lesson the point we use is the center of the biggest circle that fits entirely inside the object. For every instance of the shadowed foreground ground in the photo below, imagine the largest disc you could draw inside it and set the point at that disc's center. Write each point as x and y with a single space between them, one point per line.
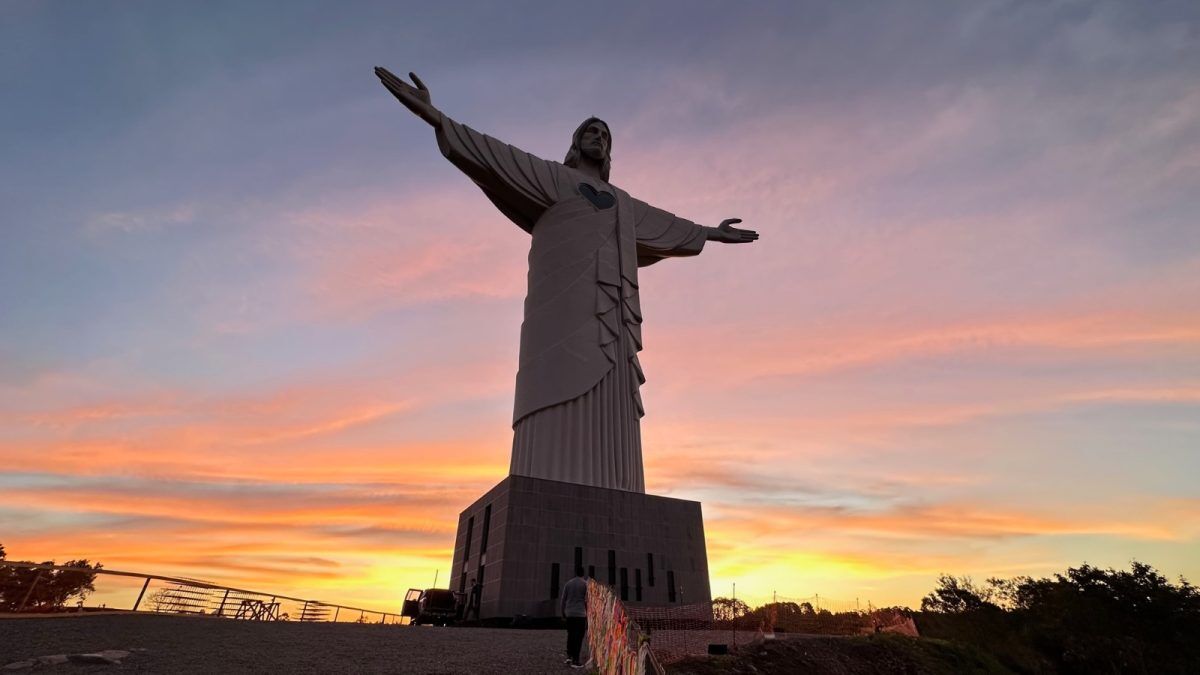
858 655
177 644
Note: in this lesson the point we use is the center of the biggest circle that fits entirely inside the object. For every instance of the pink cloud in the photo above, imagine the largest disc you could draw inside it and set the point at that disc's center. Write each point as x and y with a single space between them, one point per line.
390 251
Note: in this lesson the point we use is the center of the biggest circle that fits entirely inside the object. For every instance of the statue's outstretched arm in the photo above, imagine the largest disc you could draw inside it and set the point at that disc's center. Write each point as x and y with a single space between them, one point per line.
521 185
415 98
726 234
661 234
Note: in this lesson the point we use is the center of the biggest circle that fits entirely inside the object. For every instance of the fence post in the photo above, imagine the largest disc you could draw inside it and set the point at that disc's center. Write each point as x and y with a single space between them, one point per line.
336 611
221 609
139 599
36 578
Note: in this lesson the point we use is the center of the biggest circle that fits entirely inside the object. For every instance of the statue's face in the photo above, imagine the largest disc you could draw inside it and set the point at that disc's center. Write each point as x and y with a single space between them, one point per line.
595 141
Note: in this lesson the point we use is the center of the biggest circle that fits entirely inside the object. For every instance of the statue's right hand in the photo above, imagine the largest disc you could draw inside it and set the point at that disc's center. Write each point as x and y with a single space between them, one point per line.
415 98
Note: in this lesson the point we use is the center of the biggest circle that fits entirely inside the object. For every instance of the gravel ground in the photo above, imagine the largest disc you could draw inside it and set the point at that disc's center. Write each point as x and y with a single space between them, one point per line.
180 644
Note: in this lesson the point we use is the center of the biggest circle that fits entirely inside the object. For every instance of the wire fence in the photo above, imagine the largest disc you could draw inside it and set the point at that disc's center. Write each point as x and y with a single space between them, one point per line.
121 591
697 629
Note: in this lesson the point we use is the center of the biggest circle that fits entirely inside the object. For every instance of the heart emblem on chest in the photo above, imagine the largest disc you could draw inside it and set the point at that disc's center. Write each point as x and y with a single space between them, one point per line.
601 200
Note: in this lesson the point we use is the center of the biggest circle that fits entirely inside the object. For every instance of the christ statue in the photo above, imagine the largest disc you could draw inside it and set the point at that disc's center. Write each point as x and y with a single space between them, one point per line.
577 412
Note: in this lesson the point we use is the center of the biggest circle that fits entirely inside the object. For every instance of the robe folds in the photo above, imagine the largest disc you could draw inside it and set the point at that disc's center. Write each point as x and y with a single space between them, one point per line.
576 417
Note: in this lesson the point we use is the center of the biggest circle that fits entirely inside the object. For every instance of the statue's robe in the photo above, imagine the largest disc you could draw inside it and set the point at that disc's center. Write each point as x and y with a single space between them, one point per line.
577 412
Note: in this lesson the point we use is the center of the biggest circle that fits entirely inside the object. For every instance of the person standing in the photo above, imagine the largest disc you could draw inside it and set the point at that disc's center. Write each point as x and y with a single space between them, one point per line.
474 599
574 609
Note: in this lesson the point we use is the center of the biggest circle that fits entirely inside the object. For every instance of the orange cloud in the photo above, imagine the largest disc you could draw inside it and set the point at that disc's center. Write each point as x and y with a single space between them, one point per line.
793 350
949 521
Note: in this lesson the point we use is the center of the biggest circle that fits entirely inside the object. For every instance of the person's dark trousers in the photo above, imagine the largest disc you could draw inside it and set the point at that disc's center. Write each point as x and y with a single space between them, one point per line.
576 629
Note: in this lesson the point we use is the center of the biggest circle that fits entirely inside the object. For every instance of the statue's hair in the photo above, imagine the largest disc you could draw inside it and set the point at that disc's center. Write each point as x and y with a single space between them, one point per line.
574 155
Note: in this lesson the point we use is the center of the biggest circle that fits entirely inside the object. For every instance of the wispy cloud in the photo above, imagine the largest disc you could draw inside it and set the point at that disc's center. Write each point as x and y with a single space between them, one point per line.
130 222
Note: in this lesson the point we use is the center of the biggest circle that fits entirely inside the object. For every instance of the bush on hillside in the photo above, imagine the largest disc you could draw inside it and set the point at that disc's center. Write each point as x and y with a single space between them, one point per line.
1084 620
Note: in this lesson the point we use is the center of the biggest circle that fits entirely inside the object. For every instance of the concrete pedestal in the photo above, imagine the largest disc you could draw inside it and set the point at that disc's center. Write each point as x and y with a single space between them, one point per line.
524 538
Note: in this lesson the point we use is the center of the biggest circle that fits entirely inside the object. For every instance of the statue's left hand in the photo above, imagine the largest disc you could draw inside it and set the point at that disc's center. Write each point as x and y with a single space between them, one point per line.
727 234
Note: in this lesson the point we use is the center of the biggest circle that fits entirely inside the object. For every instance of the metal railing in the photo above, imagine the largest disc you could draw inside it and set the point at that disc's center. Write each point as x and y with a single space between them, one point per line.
179 595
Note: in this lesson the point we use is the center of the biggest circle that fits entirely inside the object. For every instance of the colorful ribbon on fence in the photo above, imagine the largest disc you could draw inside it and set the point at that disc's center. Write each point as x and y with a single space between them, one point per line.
618 645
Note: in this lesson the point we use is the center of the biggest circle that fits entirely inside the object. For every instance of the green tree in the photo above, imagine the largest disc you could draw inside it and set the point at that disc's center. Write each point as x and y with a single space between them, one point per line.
1105 620
1083 620
729 609
8 581
957 595
64 585
44 590
782 611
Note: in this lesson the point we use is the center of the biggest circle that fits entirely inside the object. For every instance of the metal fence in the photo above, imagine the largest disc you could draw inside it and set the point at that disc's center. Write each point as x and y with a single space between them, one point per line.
177 595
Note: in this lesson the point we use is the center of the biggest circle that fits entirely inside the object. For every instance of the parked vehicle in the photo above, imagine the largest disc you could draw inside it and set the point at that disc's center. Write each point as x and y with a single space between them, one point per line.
437 606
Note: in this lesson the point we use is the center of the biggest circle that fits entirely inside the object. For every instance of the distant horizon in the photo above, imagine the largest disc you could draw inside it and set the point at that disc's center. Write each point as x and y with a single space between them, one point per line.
133 596
253 325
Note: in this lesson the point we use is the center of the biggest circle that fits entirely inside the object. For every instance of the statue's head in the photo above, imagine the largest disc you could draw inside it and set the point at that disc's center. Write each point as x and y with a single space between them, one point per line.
594 141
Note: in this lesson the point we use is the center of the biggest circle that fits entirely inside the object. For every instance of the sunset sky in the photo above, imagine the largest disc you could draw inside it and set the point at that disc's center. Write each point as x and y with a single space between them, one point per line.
255 329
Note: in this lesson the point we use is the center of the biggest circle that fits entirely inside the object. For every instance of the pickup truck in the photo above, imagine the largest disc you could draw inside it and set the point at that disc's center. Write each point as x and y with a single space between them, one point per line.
437 606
